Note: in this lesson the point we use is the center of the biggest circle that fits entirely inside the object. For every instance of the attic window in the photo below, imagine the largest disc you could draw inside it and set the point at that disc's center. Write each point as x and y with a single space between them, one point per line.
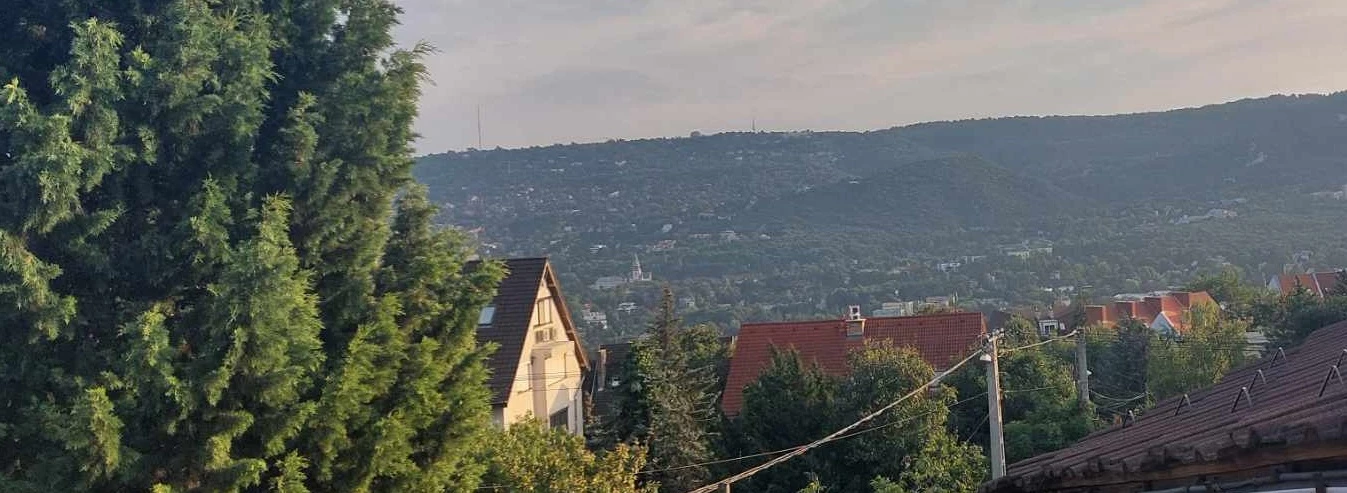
488 313
543 311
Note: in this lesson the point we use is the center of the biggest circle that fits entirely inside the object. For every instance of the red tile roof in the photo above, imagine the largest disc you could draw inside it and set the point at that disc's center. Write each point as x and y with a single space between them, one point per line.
1170 444
1319 283
1173 305
941 339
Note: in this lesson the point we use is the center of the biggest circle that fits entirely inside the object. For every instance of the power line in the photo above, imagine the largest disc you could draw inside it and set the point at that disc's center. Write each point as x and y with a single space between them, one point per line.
1105 397
977 428
834 436
784 450
1035 389
1040 343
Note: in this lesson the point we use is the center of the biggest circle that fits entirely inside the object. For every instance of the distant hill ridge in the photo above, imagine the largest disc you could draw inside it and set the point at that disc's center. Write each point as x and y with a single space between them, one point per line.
1002 171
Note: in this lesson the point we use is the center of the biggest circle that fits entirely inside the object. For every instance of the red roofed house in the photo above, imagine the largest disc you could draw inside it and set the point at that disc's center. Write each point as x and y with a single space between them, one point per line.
941 340
1319 283
1164 312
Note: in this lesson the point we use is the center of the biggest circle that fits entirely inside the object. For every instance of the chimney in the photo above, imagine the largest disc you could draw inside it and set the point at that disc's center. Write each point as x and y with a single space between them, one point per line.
602 381
855 322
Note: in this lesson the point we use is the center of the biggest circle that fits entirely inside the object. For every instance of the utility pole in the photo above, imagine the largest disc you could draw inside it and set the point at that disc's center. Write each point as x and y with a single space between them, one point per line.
1082 372
998 440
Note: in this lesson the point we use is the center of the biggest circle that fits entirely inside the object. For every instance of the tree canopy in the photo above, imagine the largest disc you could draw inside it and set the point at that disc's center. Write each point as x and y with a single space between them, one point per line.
526 458
794 403
667 399
205 284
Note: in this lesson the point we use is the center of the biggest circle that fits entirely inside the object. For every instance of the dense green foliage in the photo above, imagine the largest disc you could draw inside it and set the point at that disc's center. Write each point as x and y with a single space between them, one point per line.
1212 344
1289 319
1119 360
1132 366
667 399
822 220
1039 406
202 283
794 403
526 458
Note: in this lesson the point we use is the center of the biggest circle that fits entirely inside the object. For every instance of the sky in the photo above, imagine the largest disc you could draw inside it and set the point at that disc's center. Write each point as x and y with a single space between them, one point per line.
561 71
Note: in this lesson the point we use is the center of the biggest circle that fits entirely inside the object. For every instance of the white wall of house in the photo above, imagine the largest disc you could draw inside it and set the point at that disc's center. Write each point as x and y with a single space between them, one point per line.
549 378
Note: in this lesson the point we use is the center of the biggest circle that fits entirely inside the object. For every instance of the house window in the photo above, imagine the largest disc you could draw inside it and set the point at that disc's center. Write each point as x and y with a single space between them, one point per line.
542 335
488 313
560 419
543 311
1047 328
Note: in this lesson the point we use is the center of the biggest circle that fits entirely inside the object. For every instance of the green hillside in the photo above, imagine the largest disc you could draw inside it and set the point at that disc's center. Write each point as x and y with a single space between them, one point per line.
947 193
798 224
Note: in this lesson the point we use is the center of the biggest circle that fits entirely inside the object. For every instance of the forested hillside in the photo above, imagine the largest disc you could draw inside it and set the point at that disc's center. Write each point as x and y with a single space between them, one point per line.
771 225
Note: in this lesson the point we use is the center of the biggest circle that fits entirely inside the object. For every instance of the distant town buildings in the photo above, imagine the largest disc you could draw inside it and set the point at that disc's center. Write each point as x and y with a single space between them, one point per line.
1164 311
594 319
895 309
939 302
909 308
1027 248
636 275
1335 195
1211 214
664 245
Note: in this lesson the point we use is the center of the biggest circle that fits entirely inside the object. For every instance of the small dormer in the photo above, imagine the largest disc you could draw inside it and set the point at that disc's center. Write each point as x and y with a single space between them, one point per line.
855 322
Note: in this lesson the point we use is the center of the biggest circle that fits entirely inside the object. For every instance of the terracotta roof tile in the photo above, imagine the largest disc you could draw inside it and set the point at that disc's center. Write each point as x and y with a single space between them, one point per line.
940 339
1319 283
1286 411
1326 282
1174 305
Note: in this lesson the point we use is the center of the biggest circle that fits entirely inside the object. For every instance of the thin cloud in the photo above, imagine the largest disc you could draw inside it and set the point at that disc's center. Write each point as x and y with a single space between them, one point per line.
586 70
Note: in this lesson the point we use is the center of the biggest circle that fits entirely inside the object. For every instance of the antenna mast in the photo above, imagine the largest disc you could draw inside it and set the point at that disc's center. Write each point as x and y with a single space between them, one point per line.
479 126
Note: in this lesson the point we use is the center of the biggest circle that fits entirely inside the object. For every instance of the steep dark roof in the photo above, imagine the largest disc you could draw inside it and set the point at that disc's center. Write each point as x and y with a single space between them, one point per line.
509 328
939 338
1172 442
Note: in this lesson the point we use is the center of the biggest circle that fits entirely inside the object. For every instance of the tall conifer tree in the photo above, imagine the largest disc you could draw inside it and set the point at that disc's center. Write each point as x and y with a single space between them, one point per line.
203 283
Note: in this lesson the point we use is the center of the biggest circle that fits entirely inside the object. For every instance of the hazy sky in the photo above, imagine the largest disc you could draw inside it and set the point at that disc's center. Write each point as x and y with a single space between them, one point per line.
549 71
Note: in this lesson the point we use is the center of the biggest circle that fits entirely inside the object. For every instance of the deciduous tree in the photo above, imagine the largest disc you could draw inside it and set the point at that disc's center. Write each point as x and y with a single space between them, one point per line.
527 458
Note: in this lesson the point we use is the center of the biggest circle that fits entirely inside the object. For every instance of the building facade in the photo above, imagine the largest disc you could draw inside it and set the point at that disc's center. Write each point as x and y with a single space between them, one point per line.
539 365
